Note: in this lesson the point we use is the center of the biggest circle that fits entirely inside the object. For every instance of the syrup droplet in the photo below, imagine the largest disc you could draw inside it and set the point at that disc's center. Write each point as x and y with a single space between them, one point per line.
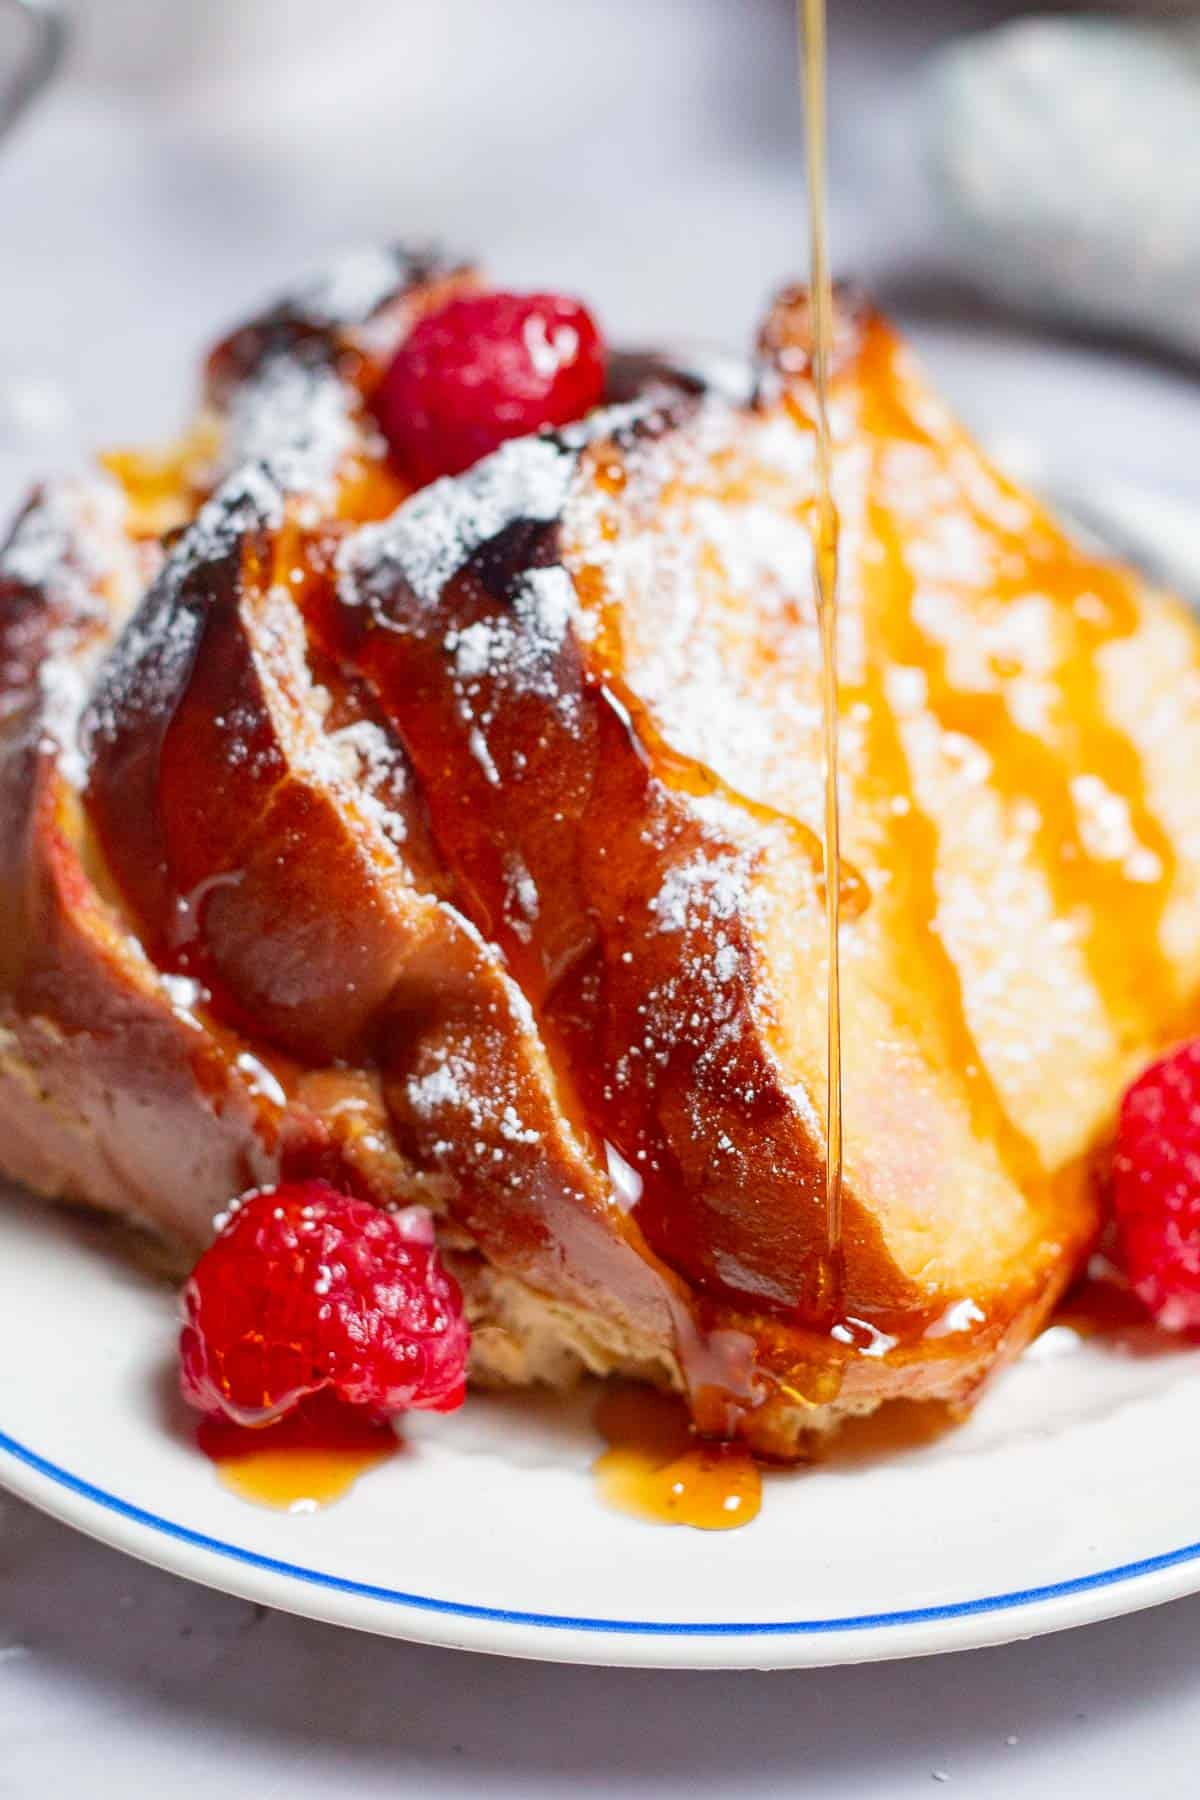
657 1468
304 1461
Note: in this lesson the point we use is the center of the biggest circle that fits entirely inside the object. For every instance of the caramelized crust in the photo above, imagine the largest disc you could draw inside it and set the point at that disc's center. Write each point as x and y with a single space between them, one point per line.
486 828
108 1091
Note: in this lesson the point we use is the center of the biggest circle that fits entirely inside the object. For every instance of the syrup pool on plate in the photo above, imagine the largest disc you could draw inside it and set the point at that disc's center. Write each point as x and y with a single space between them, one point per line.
657 1468
306 1460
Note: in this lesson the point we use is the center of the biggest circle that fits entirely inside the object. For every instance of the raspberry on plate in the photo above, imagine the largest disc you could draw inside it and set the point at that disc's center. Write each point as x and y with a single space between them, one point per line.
1156 1188
484 369
306 1289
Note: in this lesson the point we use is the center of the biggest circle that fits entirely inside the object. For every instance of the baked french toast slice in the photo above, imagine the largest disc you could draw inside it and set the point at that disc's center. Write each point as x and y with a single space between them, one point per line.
488 823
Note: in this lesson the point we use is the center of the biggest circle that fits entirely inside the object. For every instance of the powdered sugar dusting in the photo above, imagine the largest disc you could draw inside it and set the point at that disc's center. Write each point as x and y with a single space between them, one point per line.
428 539
375 766
515 651
359 282
69 546
452 1096
478 746
160 637
519 647
66 543
703 547
522 902
493 661
706 901
294 412
443 1085
359 759
249 499
546 606
64 696
294 418
708 886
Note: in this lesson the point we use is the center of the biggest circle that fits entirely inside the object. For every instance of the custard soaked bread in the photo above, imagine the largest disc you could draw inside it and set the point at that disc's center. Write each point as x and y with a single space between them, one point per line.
466 847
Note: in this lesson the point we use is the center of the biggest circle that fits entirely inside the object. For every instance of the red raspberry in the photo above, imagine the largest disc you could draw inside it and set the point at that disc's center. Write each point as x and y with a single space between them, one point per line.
487 368
1156 1188
307 1289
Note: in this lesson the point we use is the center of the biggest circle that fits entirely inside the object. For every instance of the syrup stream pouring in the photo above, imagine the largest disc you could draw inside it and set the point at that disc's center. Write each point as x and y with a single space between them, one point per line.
810 21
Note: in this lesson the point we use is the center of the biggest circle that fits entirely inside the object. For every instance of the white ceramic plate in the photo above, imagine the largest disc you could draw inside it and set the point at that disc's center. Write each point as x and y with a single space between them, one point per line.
1069 1496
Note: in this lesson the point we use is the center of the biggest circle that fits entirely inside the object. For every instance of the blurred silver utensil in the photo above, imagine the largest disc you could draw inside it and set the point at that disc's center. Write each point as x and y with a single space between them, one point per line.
44 31
1063 152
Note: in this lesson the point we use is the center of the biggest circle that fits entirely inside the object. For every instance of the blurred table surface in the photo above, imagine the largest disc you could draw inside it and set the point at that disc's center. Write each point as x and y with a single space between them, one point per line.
643 153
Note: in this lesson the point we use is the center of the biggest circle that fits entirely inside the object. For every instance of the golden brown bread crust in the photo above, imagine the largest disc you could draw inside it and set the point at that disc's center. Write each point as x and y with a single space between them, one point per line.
117 1087
99 1079
489 835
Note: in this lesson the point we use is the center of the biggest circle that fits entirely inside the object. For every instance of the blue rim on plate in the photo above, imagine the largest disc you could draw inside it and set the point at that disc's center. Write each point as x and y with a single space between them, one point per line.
916 1615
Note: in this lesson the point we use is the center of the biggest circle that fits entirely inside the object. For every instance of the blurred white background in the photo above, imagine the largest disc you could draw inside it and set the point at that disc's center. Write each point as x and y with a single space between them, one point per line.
644 153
